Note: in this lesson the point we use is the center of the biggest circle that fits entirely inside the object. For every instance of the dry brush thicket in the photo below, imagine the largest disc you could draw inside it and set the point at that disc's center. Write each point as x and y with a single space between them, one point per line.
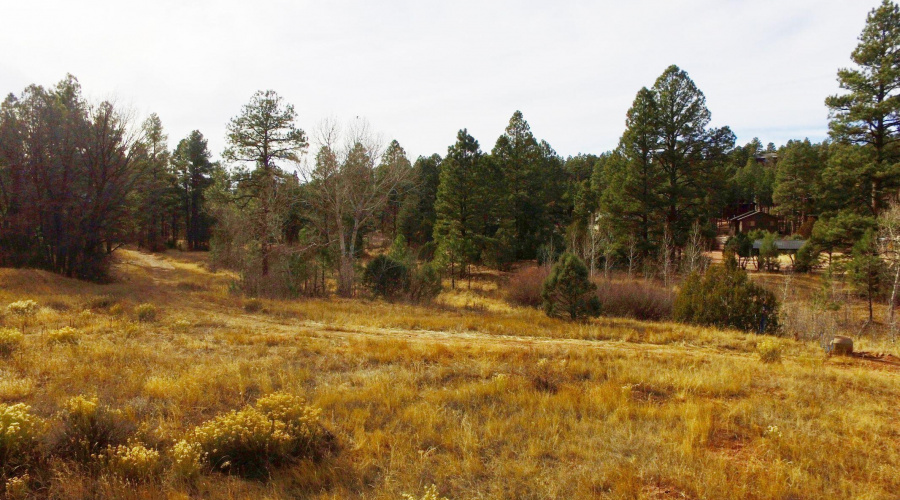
369 399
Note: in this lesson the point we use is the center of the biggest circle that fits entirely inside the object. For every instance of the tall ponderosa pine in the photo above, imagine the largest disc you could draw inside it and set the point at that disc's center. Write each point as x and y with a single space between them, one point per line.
262 140
632 196
194 170
691 156
155 197
868 114
520 158
462 205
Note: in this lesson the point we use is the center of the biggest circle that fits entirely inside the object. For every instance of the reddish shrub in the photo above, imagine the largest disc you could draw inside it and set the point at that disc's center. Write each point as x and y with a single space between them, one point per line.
524 287
636 299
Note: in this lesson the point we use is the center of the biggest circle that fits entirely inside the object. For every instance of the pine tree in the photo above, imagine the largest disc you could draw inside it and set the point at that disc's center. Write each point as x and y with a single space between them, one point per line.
463 200
519 158
691 156
868 114
193 170
633 195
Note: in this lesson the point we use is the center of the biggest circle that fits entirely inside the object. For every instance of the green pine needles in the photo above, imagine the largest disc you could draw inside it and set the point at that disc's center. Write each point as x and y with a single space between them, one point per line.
568 291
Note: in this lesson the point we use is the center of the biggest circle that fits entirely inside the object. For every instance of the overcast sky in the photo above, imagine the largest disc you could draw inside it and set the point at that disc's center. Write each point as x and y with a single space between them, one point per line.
421 70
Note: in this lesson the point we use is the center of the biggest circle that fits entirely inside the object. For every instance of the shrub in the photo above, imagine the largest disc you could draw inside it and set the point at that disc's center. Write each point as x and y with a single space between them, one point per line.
279 428
425 283
133 462
525 285
17 487
187 459
386 277
252 305
20 437
567 291
807 258
88 429
65 335
10 341
145 313
24 310
638 300
769 351
726 298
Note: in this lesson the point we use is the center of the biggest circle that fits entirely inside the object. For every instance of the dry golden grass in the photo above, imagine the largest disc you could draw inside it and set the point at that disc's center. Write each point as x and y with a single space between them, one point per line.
479 399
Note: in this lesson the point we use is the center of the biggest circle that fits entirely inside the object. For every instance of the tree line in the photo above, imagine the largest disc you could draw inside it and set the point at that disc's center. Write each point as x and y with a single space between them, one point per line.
293 211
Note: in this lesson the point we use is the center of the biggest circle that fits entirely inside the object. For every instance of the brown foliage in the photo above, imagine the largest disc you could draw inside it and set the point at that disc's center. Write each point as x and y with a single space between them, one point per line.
524 287
636 299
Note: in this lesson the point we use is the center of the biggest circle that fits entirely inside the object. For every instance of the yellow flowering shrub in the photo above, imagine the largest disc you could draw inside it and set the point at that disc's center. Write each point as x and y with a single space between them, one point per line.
145 313
134 462
20 435
251 440
187 459
89 428
23 308
17 487
64 335
10 340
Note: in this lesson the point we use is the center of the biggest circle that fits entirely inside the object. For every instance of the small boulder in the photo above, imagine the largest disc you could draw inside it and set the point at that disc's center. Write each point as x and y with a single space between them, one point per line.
841 345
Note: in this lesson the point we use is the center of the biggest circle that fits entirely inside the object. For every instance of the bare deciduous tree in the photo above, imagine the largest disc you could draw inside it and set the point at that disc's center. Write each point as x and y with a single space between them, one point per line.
350 188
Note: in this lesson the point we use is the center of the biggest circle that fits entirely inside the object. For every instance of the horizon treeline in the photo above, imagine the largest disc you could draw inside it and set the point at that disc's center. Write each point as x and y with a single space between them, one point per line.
79 179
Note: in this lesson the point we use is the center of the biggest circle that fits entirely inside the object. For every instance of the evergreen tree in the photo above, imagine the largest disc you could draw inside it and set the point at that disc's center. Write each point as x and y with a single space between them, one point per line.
193 170
520 159
867 270
633 195
462 205
691 156
261 141
868 113
417 214
798 180
568 291
394 160
156 198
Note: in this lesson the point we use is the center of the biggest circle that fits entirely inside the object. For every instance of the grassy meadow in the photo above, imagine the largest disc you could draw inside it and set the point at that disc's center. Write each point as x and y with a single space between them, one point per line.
468 398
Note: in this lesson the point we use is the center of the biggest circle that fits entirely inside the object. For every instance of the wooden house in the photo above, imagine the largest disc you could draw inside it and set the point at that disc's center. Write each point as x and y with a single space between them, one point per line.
753 220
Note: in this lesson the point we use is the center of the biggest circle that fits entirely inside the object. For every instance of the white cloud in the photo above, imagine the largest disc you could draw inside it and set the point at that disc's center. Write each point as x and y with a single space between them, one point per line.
419 71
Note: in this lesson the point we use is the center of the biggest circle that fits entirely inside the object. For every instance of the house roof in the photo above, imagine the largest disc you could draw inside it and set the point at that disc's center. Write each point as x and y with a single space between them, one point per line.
792 245
747 215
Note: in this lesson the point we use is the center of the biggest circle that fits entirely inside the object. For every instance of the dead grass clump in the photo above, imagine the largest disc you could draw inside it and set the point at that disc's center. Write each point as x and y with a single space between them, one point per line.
253 306
636 299
249 442
524 287
89 429
146 313
101 302
769 351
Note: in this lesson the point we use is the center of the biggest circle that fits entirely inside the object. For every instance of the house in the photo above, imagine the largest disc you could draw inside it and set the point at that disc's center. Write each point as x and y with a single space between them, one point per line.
750 221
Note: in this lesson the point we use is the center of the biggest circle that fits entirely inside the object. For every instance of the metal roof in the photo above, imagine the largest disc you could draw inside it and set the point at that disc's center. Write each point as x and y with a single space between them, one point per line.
782 244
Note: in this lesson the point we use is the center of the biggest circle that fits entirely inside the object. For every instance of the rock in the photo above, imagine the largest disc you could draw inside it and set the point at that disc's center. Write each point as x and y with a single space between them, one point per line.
841 345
